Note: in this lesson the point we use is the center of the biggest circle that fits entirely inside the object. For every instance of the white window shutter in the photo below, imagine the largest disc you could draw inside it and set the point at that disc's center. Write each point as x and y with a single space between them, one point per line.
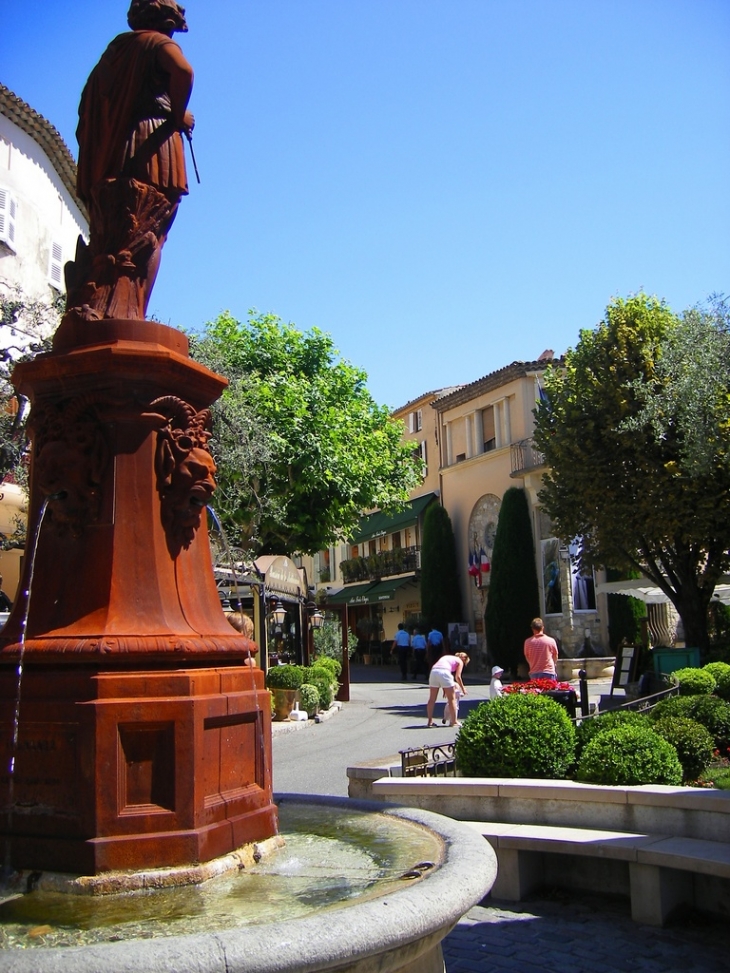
8 214
55 270
419 420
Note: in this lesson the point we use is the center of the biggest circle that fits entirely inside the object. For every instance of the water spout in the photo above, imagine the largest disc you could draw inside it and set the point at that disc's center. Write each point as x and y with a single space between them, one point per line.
25 596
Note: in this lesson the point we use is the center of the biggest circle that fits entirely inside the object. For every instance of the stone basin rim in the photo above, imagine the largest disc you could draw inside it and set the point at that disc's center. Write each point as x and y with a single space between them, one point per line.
335 939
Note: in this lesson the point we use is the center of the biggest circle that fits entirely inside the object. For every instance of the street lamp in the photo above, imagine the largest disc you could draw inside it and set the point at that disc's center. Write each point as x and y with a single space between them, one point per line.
278 614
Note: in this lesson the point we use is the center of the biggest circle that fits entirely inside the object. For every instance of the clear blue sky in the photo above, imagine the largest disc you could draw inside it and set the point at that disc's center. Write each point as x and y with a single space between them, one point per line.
445 186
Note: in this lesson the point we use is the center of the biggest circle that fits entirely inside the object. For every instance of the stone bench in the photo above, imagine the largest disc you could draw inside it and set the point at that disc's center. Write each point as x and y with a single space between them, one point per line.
659 846
661 868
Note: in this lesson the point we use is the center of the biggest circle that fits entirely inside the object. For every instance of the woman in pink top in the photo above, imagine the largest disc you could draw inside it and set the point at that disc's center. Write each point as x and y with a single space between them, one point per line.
541 652
446 675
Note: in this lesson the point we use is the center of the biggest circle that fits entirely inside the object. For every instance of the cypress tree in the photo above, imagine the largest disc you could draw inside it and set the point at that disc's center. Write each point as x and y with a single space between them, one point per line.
514 598
440 591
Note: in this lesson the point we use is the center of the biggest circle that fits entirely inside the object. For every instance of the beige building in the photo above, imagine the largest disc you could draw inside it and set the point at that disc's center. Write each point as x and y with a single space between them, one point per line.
484 432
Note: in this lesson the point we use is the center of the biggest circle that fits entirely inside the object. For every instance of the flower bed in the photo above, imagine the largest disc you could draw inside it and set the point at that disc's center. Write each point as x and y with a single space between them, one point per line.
537 686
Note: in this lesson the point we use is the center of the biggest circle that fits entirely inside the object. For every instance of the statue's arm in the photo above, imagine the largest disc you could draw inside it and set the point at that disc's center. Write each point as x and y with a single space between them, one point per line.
172 60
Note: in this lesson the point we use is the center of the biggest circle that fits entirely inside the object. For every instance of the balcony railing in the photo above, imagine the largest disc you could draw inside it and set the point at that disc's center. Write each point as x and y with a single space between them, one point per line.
373 567
524 457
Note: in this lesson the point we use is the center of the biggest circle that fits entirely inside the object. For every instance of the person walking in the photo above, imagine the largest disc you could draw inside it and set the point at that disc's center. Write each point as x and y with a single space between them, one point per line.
446 675
418 644
435 646
402 646
541 652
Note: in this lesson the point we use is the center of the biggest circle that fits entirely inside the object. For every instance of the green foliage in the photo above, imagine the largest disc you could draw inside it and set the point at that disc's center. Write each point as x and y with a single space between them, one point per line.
719 778
720 671
31 324
309 698
690 739
328 664
328 641
713 713
302 448
589 729
629 755
440 591
694 682
285 677
516 736
629 471
513 598
321 679
625 614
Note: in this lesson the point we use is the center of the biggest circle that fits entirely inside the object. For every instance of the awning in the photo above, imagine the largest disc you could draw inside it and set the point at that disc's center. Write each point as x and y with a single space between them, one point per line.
379 524
645 590
386 590
354 594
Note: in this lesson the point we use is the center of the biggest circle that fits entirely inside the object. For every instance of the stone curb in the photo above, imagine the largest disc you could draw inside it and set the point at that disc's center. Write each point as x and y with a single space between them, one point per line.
291 726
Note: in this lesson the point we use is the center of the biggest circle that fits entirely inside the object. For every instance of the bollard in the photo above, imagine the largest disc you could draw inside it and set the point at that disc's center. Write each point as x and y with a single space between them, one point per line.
583 684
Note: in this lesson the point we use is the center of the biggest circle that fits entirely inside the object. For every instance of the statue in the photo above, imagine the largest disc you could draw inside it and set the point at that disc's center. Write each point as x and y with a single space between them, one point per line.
131 171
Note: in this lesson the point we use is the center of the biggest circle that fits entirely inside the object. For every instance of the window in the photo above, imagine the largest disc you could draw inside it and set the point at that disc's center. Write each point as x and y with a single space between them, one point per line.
490 440
396 540
55 269
420 453
415 421
8 215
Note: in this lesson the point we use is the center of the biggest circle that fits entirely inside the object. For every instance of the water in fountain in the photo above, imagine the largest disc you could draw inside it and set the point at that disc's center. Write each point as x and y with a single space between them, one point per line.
327 862
25 596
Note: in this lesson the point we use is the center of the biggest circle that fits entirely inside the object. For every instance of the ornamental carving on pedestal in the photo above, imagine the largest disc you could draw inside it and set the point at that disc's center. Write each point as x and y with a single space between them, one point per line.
184 467
71 457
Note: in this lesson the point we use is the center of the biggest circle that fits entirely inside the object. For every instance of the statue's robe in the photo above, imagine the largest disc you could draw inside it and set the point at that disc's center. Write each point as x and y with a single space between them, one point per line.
125 119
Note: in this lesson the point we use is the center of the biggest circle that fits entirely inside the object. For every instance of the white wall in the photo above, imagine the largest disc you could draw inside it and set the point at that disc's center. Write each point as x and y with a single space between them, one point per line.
46 214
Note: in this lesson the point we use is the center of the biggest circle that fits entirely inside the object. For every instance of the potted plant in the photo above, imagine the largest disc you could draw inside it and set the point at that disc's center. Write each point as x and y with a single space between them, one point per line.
284 682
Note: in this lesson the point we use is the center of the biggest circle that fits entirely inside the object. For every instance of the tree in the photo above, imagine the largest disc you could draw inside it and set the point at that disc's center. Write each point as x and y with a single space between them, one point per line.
302 448
440 591
26 326
634 433
514 598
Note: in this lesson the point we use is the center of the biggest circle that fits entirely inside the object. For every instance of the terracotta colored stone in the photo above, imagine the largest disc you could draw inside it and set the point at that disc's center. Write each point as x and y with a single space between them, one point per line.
143 740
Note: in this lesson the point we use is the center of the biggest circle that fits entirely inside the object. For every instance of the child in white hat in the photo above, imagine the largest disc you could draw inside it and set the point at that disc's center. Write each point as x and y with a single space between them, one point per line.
495 686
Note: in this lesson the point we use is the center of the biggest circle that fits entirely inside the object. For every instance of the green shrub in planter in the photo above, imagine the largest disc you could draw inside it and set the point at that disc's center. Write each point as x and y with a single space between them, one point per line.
694 682
516 736
285 677
308 698
693 743
713 713
720 671
334 666
323 683
588 729
629 755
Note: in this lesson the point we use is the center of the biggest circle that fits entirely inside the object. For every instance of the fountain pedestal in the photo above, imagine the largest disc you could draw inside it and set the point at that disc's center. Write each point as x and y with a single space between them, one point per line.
144 737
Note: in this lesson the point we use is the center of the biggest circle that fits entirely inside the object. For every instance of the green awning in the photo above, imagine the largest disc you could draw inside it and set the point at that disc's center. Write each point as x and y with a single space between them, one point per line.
385 590
379 524
354 594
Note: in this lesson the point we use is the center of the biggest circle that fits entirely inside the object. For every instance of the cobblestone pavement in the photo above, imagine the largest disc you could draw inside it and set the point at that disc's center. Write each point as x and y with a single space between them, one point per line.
560 933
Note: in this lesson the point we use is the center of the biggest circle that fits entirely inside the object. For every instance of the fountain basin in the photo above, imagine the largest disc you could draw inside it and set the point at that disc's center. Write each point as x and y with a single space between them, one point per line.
398 931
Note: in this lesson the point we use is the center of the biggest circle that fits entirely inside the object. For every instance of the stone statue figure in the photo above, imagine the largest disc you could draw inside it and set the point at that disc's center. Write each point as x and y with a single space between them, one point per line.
131 170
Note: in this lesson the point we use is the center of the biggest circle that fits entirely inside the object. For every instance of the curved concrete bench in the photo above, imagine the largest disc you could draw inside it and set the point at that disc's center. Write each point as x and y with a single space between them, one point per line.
661 846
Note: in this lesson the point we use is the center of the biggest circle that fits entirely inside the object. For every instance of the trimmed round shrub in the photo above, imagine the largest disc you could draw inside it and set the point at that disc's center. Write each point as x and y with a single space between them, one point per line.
308 698
334 666
693 743
324 687
588 729
720 671
516 736
713 713
694 682
629 755
285 677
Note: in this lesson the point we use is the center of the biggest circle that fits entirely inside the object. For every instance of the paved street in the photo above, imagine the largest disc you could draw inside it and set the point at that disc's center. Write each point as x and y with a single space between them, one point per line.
553 933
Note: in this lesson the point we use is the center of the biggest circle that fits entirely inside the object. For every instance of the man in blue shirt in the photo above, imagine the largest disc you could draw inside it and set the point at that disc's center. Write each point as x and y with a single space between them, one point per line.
402 645
418 644
435 645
